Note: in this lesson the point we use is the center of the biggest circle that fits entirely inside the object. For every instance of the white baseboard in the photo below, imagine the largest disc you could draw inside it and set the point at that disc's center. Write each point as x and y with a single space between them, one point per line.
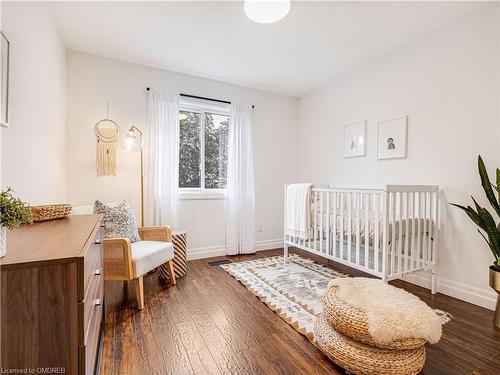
205 252
269 244
461 291
217 251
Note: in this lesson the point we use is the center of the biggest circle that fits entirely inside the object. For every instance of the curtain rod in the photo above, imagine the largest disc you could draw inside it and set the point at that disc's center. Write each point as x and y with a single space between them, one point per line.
203 98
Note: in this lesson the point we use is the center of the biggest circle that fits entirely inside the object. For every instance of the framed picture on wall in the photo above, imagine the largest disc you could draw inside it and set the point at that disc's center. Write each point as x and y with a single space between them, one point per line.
392 138
4 80
354 139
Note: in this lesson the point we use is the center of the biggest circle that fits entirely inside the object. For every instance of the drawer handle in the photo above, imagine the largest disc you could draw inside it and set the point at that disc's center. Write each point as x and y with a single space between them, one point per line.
97 272
97 302
97 242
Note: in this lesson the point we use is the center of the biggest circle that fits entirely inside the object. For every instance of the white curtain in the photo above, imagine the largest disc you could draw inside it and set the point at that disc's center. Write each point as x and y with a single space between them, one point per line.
161 150
240 198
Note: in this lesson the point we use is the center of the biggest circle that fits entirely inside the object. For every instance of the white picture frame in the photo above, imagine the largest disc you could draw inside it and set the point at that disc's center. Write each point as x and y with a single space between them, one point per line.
392 138
355 139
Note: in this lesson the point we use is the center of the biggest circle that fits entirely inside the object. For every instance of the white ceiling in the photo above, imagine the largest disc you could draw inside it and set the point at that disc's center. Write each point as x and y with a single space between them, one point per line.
315 43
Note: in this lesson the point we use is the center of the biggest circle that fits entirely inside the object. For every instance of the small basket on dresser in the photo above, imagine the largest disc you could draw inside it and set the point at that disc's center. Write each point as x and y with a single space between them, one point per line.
50 212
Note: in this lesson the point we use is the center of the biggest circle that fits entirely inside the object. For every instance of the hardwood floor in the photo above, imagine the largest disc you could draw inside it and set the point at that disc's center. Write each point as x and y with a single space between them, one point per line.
209 323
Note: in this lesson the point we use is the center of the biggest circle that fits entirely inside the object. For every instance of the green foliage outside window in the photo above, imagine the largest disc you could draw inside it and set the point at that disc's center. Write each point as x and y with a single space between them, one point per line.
215 129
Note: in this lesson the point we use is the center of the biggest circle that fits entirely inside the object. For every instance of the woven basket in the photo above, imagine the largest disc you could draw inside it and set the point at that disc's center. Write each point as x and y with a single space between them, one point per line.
50 212
354 323
363 359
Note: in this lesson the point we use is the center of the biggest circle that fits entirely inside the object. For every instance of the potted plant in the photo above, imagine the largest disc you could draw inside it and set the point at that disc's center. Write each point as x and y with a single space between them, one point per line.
13 212
485 221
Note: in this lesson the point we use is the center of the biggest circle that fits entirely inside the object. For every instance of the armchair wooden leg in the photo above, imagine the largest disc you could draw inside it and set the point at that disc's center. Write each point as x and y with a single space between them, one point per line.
139 292
171 272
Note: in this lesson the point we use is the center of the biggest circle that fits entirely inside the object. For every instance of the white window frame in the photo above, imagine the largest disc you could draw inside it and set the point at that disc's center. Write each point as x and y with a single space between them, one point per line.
199 106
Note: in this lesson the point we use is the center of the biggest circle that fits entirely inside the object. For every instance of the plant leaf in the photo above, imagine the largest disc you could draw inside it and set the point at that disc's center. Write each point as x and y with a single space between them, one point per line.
489 244
485 182
474 216
491 230
478 207
497 187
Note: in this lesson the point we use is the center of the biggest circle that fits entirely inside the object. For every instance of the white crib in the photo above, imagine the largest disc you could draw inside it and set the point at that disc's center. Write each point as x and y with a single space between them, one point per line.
386 232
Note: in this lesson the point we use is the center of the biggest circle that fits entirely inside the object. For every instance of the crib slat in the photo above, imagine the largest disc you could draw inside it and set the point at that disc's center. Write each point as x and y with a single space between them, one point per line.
327 229
358 221
342 199
400 230
414 251
334 232
321 229
427 228
385 235
406 267
367 228
311 228
419 230
435 227
393 233
424 229
429 225
424 234
315 219
377 232
349 226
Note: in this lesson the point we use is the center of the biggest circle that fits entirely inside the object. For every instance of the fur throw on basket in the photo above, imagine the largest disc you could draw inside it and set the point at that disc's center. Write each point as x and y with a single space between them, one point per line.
392 313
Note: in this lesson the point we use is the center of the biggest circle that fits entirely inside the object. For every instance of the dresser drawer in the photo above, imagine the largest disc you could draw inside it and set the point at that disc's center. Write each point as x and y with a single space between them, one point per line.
88 351
92 262
93 300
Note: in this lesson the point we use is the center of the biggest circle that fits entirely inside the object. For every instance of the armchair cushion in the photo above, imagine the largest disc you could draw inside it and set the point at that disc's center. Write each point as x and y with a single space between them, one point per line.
147 255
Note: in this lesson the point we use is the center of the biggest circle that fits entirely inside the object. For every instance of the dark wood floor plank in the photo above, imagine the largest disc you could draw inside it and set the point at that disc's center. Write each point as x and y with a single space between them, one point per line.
230 358
225 308
492 367
209 323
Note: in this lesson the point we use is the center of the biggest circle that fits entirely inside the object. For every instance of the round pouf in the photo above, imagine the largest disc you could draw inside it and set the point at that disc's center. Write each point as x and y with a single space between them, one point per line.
354 323
179 239
363 359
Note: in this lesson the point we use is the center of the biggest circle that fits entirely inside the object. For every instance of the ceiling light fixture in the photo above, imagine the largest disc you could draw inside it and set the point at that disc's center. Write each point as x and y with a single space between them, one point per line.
266 11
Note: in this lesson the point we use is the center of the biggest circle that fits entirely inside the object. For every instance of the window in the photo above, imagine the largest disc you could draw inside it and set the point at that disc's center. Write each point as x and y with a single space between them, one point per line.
203 150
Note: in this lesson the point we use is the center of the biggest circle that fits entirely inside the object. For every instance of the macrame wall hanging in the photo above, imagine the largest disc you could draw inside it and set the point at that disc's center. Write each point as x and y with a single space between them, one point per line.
107 133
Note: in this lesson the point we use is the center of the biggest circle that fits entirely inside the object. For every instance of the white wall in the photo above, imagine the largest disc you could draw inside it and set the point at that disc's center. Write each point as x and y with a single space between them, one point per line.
33 148
93 80
448 85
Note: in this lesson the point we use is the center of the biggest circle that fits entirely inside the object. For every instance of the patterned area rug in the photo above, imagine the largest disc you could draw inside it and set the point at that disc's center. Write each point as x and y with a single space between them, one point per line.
292 290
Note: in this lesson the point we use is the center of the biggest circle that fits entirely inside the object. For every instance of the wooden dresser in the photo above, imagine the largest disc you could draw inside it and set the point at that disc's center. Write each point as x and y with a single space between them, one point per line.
52 291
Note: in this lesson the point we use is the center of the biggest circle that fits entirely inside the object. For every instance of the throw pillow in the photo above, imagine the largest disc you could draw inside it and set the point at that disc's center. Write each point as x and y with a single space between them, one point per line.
119 221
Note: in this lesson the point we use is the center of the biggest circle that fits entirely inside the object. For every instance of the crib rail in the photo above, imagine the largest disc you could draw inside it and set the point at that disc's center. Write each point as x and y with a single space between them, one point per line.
385 232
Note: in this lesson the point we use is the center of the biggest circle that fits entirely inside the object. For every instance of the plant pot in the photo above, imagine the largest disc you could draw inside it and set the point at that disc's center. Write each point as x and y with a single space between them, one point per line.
3 241
495 284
